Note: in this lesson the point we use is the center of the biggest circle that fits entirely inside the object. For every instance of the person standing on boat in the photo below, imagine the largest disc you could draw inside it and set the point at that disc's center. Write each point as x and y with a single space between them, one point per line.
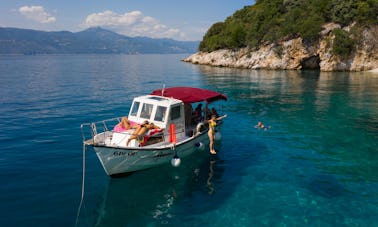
211 133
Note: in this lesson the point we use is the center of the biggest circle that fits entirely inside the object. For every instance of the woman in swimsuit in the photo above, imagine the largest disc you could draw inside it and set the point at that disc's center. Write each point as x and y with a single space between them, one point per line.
211 133
141 131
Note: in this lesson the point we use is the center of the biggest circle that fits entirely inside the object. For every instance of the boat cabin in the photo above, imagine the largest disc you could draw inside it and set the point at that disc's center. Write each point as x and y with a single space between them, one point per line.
162 111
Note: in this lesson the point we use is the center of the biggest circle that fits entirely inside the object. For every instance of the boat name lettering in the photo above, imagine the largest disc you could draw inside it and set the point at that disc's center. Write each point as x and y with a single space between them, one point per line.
161 154
122 153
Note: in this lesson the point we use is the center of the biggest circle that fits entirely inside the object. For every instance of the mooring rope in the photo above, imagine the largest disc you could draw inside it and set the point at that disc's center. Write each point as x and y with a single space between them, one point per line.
82 185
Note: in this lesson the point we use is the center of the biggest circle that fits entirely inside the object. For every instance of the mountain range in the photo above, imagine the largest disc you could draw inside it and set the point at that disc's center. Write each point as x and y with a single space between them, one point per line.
90 41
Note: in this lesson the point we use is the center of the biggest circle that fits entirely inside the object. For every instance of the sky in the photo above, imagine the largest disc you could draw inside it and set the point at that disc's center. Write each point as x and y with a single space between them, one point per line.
180 20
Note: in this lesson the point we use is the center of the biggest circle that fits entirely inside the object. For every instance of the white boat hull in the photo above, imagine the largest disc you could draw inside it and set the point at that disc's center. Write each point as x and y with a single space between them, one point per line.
117 160
159 126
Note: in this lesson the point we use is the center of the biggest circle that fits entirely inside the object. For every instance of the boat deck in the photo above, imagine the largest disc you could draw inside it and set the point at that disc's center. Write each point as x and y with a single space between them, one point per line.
89 142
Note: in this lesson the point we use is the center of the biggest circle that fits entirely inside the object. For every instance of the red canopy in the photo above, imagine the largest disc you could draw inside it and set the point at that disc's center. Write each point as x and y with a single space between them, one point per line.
190 94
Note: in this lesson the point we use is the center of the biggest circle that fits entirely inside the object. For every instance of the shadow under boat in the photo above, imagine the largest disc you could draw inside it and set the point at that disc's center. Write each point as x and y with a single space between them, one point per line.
165 194
153 195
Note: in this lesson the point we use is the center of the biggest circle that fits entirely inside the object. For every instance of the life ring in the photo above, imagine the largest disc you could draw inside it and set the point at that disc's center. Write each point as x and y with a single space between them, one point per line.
199 128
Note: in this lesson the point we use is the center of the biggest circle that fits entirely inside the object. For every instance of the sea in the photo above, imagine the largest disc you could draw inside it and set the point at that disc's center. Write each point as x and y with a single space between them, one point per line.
314 164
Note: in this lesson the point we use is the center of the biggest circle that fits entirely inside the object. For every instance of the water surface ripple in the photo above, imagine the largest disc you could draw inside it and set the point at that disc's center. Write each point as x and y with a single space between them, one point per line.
315 165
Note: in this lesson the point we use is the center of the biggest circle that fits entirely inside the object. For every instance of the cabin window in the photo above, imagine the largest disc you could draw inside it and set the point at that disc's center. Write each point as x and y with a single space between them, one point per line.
160 113
134 109
146 110
175 112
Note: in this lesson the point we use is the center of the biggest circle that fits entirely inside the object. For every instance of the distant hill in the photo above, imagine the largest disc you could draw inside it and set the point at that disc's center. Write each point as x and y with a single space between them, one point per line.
93 40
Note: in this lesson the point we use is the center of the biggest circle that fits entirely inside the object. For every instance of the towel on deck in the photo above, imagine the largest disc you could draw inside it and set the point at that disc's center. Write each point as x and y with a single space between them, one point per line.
119 128
151 133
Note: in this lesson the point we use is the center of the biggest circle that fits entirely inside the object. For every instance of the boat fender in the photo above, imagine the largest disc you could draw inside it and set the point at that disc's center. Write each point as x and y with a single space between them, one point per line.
200 146
199 127
176 161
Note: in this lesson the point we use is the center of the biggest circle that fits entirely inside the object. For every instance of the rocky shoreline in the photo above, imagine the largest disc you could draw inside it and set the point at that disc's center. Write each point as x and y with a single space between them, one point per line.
294 54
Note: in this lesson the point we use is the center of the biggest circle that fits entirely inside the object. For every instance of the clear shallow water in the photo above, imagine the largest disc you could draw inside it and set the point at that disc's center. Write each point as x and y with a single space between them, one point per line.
317 165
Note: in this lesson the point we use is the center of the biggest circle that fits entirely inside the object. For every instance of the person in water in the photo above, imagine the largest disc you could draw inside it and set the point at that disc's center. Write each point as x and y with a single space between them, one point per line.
141 130
261 125
123 125
211 133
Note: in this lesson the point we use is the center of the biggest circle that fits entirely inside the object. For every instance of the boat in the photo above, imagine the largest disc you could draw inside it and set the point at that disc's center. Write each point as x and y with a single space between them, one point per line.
177 133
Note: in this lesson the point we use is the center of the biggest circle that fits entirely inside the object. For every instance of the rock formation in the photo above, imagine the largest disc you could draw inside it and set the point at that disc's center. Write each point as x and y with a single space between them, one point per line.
294 54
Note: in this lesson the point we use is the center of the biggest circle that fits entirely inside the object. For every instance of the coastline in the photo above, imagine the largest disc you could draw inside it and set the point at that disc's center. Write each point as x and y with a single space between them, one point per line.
297 54
299 59
373 71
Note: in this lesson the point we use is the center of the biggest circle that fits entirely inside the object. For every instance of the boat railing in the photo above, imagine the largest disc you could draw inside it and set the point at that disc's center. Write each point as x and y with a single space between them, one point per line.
90 130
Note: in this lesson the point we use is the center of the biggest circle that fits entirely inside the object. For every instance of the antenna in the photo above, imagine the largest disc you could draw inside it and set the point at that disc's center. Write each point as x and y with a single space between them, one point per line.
162 90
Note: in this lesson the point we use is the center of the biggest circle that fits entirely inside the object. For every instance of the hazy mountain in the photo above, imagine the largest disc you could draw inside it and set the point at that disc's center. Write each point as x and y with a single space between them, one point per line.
93 40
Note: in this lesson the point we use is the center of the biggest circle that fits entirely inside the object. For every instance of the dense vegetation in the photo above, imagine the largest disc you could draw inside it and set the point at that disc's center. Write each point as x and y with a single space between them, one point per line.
271 20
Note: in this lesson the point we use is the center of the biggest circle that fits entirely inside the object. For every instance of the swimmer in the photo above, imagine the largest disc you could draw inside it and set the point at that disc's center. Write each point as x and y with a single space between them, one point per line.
261 125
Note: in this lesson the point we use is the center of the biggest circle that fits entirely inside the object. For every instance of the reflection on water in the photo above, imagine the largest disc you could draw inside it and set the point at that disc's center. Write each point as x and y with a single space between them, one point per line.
167 195
153 196
209 182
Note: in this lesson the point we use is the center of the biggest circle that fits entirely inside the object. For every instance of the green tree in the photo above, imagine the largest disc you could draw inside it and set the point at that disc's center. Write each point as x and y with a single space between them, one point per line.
343 44
268 21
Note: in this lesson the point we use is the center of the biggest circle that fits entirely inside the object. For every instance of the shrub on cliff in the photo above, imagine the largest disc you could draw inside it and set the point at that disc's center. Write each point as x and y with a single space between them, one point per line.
342 44
270 20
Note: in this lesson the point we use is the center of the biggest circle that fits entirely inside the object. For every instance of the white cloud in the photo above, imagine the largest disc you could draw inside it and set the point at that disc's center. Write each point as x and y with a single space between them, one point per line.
133 23
36 13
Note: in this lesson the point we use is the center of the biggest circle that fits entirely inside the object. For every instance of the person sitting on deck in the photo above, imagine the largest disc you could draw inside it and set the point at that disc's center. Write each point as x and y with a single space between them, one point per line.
197 114
214 112
207 113
123 125
141 130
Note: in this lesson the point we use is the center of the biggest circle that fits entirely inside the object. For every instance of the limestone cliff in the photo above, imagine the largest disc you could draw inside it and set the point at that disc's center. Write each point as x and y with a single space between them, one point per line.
294 54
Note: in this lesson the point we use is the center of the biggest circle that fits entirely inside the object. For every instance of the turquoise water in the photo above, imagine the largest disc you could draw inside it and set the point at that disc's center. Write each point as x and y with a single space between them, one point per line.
316 165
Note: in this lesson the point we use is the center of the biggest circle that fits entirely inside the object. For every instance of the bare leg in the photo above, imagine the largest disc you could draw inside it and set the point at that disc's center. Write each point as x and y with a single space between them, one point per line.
138 132
131 138
211 138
